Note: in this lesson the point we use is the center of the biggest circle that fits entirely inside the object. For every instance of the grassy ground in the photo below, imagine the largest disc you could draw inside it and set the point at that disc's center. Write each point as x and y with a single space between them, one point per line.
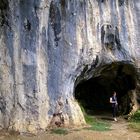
60 131
135 121
94 123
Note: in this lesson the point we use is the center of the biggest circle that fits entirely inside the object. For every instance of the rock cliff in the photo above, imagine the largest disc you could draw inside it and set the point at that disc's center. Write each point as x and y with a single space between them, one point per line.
47 47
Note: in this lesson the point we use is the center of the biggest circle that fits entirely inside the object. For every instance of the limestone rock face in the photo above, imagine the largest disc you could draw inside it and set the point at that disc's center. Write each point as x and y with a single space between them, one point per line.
49 46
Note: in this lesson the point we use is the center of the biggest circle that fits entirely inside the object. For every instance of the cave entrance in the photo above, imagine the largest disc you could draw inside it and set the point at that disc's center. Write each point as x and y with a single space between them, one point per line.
94 93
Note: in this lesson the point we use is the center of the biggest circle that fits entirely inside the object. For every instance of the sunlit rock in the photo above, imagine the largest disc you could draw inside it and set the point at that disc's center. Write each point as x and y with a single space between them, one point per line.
49 47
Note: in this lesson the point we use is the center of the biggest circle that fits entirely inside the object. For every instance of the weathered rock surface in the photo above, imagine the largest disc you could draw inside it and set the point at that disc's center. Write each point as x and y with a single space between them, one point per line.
47 47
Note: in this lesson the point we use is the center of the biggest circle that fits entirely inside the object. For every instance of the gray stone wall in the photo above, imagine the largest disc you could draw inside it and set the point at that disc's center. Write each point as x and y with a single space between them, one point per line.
45 45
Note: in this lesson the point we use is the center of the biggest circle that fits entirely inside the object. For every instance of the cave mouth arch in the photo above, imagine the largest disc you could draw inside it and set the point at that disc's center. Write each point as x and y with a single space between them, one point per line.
94 93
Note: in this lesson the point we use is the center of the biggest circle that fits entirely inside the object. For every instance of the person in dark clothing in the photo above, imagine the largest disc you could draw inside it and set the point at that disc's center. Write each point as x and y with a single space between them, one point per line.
113 101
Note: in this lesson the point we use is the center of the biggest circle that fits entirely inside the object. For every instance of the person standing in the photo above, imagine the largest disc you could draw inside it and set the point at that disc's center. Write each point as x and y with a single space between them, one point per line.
113 101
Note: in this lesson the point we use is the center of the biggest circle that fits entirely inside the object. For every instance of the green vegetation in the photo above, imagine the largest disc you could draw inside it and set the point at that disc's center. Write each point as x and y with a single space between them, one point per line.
135 117
60 131
135 126
95 124
135 121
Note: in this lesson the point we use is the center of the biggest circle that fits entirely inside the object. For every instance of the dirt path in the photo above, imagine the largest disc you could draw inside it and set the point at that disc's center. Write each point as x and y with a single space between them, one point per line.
119 131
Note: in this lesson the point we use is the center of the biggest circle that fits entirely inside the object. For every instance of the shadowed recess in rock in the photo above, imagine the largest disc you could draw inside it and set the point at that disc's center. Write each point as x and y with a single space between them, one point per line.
110 37
94 94
4 5
29 22
55 19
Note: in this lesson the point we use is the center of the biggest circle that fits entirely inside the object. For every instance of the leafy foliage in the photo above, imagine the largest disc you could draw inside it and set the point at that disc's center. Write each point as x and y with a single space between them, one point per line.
135 117
135 121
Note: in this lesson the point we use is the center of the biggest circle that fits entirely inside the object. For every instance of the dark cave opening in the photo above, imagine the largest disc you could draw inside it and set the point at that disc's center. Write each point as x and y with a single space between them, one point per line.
94 94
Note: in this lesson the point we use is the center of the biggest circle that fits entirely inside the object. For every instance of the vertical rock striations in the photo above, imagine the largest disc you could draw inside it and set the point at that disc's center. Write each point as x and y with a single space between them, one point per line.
46 44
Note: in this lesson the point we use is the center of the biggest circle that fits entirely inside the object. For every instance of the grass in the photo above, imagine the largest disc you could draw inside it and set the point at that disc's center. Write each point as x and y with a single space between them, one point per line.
134 122
95 124
135 126
59 131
